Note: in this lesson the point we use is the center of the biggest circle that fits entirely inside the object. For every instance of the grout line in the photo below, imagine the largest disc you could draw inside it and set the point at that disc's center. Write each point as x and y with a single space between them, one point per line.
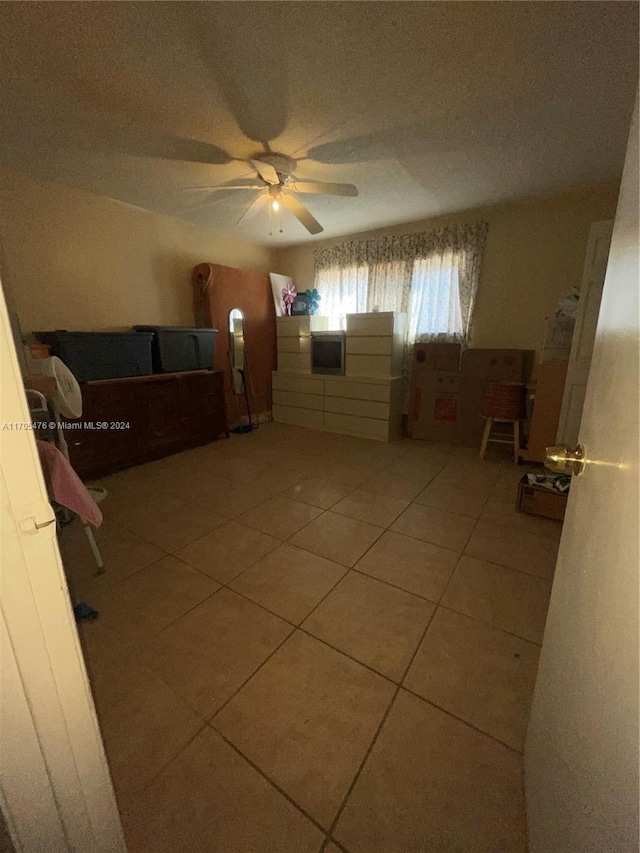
266 777
462 720
490 625
249 677
374 740
161 770
298 627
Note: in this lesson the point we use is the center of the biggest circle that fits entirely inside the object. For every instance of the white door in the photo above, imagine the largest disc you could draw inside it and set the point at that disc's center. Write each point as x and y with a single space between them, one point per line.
581 755
584 334
55 789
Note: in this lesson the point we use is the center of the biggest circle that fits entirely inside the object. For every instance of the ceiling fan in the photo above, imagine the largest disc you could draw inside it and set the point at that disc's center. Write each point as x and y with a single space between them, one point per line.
275 171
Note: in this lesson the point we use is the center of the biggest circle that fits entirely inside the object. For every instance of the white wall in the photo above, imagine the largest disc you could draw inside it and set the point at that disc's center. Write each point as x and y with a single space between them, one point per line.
535 252
78 261
581 756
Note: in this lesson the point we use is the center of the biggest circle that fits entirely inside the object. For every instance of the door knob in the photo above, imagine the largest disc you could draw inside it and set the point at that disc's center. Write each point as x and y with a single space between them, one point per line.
564 460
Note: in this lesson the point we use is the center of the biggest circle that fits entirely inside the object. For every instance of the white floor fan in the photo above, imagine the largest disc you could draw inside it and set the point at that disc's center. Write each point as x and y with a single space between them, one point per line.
67 403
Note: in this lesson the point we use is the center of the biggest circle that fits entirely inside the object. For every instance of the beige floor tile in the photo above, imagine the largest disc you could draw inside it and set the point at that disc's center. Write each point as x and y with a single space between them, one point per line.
392 485
235 466
447 529
123 554
469 500
210 799
124 500
420 472
307 719
338 538
523 551
196 486
227 551
470 472
372 622
410 564
289 581
276 478
499 596
432 783
318 492
478 673
233 499
345 473
144 603
142 721
279 516
209 653
178 527
371 507
501 510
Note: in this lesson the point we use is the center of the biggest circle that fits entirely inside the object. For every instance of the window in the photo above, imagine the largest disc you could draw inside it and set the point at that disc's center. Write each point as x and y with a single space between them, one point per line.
431 276
430 297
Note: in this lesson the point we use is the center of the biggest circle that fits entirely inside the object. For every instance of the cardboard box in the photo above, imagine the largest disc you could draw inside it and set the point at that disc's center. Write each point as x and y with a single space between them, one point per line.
479 368
547 390
435 389
537 500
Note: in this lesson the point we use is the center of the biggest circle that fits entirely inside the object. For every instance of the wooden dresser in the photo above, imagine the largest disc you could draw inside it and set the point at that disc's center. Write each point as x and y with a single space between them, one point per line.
145 417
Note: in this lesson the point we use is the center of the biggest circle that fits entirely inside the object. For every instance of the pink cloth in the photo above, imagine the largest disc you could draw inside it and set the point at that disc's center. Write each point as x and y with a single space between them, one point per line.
65 486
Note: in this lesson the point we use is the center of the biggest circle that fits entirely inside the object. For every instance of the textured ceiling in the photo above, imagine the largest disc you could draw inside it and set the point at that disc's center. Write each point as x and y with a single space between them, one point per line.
428 107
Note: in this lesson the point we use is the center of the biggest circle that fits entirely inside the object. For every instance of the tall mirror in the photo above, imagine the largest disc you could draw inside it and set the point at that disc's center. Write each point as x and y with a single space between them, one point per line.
236 349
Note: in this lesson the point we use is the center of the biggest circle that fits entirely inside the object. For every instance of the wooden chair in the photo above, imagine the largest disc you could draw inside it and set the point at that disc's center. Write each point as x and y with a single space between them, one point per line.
503 403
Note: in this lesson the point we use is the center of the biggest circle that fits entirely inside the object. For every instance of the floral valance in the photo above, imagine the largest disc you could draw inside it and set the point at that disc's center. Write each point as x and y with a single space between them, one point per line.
467 237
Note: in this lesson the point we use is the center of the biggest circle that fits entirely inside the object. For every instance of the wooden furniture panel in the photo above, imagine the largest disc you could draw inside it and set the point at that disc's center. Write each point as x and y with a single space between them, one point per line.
548 389
164 413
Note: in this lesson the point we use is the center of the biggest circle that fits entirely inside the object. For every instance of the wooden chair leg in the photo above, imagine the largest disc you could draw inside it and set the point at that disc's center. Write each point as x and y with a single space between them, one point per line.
485 437
516 441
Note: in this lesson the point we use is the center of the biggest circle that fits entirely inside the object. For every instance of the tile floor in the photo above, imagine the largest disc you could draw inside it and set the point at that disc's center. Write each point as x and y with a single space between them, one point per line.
309 642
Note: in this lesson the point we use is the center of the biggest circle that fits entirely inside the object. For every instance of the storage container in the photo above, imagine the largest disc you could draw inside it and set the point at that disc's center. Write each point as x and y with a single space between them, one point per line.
534 499
178 348
101 355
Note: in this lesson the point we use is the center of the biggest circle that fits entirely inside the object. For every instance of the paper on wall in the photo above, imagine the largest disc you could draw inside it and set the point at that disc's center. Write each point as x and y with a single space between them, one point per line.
278 282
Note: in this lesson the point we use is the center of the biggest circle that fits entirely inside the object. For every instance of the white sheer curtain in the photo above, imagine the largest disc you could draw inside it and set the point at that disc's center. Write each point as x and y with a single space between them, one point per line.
434 309
343 290
432 277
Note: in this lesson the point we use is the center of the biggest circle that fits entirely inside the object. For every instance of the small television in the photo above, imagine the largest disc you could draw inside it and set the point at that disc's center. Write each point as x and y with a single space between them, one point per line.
327 352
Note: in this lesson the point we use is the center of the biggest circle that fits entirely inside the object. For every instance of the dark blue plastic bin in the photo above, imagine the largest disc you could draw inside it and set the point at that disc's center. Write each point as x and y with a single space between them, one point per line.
178 348
101 355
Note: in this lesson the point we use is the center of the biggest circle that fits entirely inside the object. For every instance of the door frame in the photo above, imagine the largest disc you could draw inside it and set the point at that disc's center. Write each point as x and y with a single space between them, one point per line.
55 788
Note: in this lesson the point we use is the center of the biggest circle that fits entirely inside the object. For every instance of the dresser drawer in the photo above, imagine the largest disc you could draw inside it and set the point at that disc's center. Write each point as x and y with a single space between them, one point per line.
367 427
294 344
300 401
296 362
368 365
360 408
358 390
298 417
370 325
298 384
365 345
293 326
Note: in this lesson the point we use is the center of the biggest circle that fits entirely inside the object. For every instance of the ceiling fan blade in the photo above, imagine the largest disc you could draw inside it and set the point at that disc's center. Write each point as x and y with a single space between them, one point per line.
244 63
229 187
252 208
266 171
322 188
301 214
